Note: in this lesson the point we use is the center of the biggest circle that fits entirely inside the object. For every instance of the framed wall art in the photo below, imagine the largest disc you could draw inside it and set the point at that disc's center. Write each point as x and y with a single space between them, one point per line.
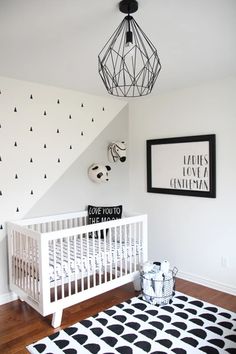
182 165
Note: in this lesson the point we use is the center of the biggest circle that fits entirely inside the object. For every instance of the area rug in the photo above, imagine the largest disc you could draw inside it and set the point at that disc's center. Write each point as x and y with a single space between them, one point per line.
186 326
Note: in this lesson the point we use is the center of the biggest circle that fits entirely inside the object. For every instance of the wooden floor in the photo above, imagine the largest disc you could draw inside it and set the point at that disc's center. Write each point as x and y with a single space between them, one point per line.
20 325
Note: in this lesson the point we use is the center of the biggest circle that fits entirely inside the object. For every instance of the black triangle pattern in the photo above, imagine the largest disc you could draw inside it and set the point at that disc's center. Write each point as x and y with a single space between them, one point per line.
44 113
136 325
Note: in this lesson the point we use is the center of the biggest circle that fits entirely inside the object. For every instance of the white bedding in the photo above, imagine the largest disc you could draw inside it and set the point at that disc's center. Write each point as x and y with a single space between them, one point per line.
85 255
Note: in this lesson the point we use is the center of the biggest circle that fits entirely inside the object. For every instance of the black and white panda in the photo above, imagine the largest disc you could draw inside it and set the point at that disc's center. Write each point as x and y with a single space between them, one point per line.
99 173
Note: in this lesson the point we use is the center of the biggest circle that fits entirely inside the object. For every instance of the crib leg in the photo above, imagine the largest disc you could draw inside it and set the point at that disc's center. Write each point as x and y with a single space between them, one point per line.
56 318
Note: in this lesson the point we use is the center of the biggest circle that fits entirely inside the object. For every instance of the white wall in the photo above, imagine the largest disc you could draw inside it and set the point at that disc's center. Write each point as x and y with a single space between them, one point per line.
51 126
195 234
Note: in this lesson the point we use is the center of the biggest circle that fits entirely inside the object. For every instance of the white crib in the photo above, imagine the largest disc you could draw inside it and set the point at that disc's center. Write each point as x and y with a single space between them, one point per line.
58 261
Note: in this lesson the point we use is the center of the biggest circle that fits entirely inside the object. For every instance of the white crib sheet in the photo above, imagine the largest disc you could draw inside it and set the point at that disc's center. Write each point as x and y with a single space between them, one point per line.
86 255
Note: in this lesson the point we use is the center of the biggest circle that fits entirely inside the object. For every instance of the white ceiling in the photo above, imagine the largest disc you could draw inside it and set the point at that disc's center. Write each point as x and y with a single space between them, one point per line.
56 42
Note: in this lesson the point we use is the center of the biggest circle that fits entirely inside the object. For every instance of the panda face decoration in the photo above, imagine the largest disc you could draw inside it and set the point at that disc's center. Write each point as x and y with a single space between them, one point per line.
117 151
99 173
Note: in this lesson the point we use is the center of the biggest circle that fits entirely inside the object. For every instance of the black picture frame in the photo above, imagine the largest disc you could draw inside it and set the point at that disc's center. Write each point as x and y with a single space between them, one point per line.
182 165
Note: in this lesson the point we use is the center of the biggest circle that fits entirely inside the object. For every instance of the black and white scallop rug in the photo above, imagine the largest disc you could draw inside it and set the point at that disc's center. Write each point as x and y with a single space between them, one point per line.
186 326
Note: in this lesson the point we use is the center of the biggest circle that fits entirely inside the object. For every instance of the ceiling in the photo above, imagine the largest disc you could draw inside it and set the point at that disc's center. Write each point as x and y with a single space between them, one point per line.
56 42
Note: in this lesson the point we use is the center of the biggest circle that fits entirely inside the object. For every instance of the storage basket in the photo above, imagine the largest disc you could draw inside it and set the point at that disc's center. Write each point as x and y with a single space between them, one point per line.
158 291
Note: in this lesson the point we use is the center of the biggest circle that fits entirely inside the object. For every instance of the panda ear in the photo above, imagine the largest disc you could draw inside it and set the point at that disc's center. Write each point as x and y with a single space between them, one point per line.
99 175
108 168
95 168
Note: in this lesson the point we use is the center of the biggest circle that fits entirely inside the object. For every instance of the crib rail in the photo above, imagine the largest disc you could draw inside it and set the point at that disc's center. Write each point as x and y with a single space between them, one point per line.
56 222
24 256
58 261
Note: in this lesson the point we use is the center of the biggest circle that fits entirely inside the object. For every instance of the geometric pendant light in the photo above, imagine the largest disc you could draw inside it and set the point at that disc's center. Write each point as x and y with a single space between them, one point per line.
128 63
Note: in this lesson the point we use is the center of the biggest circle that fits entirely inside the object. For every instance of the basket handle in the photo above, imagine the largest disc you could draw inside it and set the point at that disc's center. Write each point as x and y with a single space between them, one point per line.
174 271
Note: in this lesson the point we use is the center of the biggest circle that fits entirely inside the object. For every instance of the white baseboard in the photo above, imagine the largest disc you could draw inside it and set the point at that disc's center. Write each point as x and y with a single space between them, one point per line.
207 282
8 297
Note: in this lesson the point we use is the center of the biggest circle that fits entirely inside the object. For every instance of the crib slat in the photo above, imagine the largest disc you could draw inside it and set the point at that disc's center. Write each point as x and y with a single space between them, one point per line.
99 259
75 264
34 268
82 262
34 265
61 268
126 255
13 260
112 234
54 271
69 268
16 258
134 247
24 262
18 263
88 261
94 259
115 252
20 260
139 244
130 249
28 266
105 256
120 251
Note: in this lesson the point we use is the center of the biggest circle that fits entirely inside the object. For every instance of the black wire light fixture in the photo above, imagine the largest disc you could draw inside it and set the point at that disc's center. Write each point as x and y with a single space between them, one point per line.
128 63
